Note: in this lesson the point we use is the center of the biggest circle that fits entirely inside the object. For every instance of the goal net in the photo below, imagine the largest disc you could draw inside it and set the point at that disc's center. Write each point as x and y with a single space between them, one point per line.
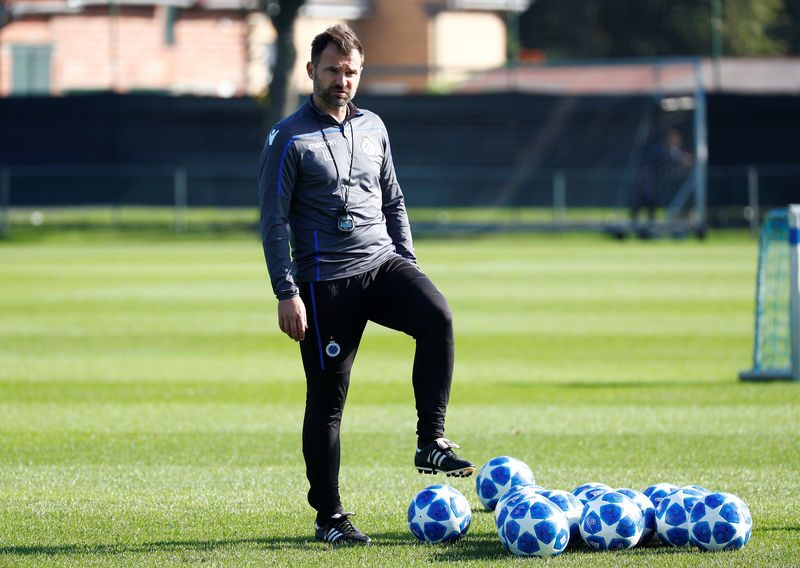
615 146
776 346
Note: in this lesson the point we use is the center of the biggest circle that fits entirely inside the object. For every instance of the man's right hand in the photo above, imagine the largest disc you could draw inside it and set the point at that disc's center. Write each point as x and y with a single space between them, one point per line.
292 318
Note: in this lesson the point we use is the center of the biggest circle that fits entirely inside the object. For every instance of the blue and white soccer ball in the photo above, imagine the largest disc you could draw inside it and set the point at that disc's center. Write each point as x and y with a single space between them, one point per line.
611 521
515 494
498 475
439 513
648 511
533 526
699 488
658 491
672 516
720 521
572 508
590 490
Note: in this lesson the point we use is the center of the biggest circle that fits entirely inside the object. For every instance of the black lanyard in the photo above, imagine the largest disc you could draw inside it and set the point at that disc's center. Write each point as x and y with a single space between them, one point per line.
345 222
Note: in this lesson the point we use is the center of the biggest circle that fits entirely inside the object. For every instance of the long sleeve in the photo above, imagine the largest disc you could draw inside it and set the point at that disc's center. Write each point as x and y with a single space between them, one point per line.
394 208
276 182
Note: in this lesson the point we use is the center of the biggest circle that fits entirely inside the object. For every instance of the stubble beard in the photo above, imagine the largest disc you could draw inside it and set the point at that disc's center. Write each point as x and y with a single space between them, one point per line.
331 97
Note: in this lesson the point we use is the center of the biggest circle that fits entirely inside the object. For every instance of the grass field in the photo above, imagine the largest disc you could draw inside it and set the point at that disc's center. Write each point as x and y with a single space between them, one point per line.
45 223
150 411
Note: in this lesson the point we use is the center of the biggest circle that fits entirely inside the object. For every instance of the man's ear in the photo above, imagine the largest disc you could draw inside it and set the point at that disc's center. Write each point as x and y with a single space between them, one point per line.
310 70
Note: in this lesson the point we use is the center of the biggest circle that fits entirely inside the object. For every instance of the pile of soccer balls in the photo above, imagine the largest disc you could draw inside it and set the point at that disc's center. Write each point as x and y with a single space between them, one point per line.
534 521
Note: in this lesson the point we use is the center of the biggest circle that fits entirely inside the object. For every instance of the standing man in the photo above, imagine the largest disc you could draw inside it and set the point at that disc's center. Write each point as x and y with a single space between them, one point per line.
338 247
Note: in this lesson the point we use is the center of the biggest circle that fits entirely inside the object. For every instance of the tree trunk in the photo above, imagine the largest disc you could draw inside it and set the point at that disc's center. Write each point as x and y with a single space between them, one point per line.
282 92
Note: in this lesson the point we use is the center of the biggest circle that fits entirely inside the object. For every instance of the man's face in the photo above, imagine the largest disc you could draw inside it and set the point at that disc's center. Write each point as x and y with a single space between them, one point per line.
335 77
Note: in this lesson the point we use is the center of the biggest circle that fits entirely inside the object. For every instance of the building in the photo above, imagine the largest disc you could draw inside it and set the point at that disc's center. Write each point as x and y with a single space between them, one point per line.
224 47
59 47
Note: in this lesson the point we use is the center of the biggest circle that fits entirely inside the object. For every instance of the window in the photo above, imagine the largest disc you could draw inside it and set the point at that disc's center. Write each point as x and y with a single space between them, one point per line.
30 69
169 24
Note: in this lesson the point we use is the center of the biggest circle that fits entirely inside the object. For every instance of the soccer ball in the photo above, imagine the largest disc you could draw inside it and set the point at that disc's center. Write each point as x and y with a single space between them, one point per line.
590 490
611 521
516 494
573 509
533 526
672 516
497 476
720 521
658 491
648 511
439 513
699 488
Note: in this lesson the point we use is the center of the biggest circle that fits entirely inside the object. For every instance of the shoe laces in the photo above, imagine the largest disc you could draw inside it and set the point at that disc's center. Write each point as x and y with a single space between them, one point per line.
343 524
446 445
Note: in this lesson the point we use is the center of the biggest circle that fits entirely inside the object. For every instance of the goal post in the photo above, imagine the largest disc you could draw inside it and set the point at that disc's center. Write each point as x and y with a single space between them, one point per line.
776 345
794 243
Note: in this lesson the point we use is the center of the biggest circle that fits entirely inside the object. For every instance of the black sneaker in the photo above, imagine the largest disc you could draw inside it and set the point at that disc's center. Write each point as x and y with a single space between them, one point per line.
340 531
438 456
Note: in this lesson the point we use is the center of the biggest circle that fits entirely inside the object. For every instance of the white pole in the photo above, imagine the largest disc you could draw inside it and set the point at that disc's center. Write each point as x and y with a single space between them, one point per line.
701 149
181 200
5 203
794 302
559 196
752 193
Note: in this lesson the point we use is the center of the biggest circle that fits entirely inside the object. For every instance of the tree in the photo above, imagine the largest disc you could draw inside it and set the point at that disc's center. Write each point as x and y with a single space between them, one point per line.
282 94
790 26
5 15
746 24
580 29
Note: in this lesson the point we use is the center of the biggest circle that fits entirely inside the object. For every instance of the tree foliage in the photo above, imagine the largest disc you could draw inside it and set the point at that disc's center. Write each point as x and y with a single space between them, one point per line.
572 29
788 27
746 27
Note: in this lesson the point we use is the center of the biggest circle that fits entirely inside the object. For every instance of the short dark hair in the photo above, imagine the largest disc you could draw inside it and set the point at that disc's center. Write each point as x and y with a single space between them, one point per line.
339 35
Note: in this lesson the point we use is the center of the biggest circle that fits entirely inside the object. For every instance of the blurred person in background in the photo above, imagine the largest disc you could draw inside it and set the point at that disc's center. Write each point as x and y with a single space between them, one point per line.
338 247
663 173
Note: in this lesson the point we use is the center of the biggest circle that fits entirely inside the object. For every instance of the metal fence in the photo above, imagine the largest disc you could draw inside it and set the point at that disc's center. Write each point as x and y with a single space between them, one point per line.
552 199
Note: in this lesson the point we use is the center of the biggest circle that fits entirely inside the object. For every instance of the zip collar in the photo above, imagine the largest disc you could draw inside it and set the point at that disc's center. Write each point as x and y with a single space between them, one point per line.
352 112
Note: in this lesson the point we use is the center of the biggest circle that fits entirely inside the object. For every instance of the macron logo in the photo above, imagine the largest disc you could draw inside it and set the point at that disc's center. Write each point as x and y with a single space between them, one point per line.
272 135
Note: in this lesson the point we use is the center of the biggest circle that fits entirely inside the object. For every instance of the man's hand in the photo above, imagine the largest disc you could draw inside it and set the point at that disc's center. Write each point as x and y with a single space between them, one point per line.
292 318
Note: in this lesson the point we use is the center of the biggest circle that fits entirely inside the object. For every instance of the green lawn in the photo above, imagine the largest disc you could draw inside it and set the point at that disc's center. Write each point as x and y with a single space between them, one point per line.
150 411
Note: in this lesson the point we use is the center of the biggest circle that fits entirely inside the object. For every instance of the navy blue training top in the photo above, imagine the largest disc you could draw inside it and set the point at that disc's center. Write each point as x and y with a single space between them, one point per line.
311 164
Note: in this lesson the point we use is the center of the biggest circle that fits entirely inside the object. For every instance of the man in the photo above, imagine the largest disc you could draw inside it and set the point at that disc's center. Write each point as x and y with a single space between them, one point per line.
664 171
338 247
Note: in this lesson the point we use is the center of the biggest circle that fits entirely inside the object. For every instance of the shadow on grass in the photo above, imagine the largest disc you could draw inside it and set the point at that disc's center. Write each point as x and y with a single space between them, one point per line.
157 546
487 548
264 543
479 547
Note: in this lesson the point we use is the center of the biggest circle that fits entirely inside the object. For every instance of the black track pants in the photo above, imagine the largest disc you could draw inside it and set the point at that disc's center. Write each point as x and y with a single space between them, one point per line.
398 296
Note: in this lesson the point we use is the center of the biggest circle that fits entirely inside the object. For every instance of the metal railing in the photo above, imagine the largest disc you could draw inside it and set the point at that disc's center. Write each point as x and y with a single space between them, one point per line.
737 195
